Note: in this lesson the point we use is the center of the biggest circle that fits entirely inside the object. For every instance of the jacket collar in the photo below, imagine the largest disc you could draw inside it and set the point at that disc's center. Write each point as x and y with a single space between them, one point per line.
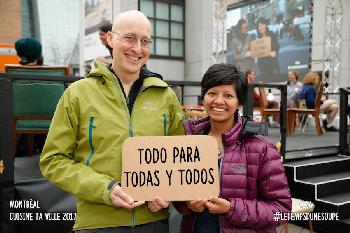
102 72
202 125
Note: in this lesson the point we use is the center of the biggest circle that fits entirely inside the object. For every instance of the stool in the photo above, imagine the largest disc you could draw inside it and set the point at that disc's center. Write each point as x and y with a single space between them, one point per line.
301 206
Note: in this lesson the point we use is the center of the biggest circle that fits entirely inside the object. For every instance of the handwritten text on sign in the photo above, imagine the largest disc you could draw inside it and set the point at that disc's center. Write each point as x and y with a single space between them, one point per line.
261 47
174 168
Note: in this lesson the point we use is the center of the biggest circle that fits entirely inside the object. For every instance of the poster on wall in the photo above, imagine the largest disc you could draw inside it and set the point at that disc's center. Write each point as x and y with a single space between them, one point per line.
270 37
96 13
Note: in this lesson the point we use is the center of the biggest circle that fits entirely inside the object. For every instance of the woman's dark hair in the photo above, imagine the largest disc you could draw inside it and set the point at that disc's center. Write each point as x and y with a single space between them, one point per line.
238 27
105 27
261 20
225 74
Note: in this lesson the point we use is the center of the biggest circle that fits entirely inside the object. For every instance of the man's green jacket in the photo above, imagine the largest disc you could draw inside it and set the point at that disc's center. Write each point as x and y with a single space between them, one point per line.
83 149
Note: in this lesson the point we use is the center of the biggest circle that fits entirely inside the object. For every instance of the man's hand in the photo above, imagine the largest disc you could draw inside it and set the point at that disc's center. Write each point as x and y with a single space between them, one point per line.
218 205
120 199
197 205
157 204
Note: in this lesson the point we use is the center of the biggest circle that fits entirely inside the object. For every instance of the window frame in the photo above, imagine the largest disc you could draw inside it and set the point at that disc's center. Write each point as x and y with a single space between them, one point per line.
180 3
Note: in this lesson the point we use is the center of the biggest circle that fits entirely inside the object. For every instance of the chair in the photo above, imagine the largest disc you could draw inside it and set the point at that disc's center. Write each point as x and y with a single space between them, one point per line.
28 117
194 111
34 104
315 111
37 70
301 206
264 110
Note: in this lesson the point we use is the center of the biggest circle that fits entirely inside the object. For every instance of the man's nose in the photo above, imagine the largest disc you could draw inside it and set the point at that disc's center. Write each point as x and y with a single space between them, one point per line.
137 46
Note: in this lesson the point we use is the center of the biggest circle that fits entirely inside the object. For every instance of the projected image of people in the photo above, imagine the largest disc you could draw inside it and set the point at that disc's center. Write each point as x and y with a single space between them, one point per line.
269 37
241 46
268 65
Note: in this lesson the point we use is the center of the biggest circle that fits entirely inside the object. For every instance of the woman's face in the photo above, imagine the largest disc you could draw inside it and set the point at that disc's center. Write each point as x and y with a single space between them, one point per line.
244 28
262 28
221 103
291 77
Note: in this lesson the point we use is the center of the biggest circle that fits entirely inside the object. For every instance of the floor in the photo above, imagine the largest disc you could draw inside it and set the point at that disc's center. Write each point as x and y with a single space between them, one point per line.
292 229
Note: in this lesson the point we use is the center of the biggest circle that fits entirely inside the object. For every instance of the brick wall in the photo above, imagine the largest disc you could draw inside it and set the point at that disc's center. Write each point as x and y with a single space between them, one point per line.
10 21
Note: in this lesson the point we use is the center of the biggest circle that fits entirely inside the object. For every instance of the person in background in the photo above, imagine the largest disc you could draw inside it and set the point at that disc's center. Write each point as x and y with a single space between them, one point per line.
268 65
29 50
253 184
103 29
83 150
241 47
273 104
329 106
293 89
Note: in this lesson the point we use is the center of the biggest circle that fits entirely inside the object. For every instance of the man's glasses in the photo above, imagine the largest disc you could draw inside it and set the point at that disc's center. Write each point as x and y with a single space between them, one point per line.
132 38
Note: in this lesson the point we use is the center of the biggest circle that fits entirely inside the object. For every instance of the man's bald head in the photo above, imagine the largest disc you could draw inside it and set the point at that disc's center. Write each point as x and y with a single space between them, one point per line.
123 20
130 40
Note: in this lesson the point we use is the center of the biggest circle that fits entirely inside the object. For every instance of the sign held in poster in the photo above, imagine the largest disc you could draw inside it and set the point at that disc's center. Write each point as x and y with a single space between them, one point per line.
261 47
175 168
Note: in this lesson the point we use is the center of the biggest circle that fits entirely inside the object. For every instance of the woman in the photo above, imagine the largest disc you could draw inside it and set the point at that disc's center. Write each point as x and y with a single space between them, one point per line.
268 65
330 106
253 184
241 46
293 88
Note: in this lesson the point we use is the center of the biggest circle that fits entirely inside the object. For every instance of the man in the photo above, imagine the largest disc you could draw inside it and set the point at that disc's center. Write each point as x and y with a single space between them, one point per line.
29 50
250 74
102 32
83 150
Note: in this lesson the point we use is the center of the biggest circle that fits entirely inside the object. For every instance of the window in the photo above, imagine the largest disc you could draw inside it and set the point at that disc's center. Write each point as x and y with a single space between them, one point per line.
167 20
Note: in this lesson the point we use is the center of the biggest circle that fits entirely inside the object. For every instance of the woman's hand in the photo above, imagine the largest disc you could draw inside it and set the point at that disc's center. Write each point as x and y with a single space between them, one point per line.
273 54
157 204
197 205
218 205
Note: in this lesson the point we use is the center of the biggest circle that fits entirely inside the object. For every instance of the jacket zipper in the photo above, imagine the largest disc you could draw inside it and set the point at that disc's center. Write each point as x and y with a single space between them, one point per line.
220 169
164 125
131 133
91 125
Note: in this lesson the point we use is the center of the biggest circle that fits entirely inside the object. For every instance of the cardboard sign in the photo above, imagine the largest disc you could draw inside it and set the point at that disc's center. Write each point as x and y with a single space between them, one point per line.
175 168
261 47
1 167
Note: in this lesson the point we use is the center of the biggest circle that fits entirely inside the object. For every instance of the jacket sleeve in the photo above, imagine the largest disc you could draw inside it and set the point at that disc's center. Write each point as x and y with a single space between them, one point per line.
273 191
240 48
275 46
182 208
57 162
302 94
177 116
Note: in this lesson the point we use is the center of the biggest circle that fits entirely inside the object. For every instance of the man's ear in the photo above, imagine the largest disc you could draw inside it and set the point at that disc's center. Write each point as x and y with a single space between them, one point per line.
110 39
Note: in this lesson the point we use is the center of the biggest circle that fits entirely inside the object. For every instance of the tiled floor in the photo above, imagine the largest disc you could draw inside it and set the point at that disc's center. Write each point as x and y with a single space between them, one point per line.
292 229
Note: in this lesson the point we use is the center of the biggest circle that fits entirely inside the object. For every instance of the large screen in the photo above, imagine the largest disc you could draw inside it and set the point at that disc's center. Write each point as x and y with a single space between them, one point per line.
270 37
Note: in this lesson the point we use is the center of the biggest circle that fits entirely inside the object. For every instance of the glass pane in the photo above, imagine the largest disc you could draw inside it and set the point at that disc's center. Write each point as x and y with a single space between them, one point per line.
177 48
147 7
152 25
162 10
162 29
162 47
176 31
152 47
177 13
